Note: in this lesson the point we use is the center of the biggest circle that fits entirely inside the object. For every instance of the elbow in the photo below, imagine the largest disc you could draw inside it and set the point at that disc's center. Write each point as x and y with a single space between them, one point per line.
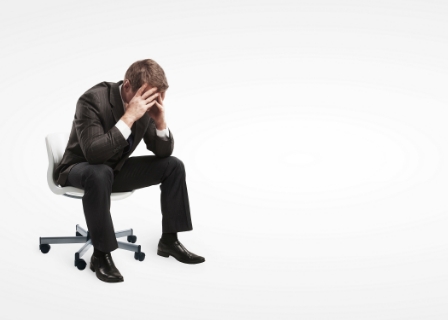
92 160
165 155
161 153
92 157
161 150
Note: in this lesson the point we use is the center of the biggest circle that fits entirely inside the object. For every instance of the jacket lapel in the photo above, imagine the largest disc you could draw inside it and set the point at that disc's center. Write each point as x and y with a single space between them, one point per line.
118 111
115 101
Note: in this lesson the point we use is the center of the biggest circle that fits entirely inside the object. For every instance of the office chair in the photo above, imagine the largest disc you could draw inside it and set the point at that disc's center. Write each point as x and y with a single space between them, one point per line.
56 144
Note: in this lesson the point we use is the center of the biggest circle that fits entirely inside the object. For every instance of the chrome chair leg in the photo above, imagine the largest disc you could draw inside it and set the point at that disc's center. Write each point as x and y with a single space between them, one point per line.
82 236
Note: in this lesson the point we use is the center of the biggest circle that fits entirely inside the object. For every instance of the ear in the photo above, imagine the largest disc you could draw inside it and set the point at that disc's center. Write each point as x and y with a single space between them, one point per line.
163 95
126 84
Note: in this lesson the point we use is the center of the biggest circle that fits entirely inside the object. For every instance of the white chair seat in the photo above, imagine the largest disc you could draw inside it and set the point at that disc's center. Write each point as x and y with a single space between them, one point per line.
79 193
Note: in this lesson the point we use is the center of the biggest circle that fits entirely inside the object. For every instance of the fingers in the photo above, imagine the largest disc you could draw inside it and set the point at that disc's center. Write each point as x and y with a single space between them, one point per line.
140 90
149 105
156 103
148 93
151 98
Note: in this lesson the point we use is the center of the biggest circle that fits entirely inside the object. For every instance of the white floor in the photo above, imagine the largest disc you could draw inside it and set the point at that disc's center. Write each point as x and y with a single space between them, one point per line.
315 142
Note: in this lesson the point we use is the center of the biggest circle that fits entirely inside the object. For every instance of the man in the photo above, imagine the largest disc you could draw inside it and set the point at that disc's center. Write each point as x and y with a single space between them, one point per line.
110 121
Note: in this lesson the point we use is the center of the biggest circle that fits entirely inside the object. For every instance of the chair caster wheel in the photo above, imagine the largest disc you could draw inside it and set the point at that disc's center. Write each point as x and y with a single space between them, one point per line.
44 248
139 256
78 234
80 264
132 238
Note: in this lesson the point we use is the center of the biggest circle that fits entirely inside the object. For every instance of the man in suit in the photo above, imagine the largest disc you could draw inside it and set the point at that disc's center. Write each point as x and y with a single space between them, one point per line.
110 121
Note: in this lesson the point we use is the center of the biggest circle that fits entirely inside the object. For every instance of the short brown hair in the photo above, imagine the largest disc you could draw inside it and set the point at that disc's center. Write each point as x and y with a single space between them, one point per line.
146 71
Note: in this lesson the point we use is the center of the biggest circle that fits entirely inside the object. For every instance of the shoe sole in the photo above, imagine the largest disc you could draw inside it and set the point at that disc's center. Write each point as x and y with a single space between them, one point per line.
166 255
104 280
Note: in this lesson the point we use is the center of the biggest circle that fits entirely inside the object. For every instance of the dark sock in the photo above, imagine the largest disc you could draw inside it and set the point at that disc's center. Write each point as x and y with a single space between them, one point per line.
98 253
169 237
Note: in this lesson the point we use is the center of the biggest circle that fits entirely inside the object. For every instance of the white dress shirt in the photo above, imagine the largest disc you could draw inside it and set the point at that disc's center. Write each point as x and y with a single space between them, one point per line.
126 131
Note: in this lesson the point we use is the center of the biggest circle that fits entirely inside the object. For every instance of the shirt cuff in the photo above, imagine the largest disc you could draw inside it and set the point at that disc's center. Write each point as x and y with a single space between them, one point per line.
124 129
163 134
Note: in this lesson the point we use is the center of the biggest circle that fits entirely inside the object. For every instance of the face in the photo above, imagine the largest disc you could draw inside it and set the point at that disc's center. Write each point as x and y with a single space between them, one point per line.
127 92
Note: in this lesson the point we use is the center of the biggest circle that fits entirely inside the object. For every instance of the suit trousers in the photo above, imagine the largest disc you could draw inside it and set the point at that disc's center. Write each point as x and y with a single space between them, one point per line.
99 180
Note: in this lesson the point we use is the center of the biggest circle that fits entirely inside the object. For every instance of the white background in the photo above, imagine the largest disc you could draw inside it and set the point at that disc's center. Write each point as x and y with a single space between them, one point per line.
314 138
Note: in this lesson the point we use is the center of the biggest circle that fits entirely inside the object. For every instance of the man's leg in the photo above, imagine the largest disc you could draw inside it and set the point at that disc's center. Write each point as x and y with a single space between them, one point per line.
96 180
143 171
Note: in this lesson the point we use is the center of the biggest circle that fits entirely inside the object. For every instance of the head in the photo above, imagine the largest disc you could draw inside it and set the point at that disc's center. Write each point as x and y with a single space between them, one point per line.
140 72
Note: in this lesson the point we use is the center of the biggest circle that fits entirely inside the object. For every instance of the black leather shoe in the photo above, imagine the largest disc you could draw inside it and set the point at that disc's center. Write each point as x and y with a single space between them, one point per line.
105 268
179 252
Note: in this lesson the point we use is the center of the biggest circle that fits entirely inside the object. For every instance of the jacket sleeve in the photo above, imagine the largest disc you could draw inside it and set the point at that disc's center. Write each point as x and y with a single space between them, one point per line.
161 148
96 145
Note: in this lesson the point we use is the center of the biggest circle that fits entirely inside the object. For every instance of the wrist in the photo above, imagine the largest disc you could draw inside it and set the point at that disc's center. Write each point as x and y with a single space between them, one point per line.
128 120
161 125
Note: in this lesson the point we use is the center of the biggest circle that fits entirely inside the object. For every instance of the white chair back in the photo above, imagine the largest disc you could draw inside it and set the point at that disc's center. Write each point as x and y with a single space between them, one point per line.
56 144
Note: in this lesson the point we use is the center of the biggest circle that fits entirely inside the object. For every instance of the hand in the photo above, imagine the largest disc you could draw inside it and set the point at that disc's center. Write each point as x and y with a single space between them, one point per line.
157 112
139 104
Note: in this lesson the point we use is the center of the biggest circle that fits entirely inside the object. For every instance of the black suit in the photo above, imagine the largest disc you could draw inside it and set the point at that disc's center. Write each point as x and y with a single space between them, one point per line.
95 160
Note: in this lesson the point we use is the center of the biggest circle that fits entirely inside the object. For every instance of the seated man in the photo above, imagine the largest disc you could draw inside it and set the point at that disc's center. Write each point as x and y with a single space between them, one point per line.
110 121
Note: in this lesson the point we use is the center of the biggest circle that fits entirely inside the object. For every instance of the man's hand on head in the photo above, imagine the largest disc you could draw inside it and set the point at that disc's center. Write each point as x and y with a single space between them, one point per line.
157 112
139 104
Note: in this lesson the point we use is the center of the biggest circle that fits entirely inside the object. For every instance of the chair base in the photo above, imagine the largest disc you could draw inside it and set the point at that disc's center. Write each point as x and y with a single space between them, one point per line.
83 236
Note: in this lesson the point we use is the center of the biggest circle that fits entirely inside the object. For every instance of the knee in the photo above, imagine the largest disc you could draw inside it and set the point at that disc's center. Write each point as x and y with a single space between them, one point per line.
101 174
176 163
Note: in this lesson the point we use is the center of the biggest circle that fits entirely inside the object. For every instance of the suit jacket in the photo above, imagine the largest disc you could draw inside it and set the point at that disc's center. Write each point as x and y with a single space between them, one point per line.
95 139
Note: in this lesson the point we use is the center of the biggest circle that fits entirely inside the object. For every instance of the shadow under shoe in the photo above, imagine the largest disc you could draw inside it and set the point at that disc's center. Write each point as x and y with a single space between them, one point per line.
179 252
105 269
